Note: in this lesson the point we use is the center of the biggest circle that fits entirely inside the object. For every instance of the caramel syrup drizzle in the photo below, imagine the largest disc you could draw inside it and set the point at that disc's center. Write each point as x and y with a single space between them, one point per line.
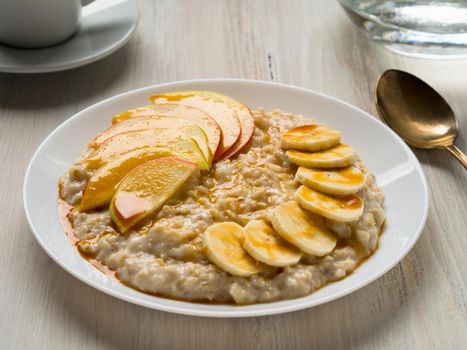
63 213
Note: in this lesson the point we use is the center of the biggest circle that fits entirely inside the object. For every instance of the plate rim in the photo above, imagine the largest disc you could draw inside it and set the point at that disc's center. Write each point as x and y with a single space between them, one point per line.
48 68
238 313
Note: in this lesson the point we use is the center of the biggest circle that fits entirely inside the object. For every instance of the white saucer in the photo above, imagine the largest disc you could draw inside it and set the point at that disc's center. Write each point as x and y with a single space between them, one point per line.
106 25
397 171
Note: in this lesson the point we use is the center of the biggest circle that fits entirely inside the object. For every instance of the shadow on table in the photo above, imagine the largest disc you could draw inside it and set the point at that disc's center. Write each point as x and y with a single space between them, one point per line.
49 90
354 321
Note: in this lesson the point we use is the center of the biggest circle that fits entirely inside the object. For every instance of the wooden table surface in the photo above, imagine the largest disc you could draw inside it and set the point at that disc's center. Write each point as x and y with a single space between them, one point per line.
421 303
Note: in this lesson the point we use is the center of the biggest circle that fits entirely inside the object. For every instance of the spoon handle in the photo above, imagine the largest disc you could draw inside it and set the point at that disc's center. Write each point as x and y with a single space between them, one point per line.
461 157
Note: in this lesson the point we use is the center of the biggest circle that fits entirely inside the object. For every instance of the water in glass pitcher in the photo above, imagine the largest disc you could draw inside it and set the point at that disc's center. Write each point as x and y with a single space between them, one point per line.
430 28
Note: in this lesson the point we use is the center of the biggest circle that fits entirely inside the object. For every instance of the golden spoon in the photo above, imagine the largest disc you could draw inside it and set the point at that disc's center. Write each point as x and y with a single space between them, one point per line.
415 111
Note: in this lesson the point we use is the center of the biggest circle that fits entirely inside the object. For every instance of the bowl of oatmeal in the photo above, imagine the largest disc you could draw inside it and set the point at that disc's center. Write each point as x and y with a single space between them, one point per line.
302 199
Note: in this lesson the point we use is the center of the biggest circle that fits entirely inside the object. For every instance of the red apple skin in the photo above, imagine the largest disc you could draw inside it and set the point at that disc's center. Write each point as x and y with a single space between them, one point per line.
217 106
248 129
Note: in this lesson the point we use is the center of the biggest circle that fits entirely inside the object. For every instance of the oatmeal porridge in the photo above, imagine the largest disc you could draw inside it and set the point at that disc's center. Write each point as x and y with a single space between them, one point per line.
166 251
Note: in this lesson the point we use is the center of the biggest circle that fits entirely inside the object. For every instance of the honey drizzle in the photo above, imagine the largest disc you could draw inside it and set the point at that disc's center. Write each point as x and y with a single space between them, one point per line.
64 210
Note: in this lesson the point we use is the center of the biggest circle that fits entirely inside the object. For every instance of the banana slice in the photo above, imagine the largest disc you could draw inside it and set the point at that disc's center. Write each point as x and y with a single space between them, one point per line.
336 181
265 245
344 209
223 246
336 157
304 230
310 138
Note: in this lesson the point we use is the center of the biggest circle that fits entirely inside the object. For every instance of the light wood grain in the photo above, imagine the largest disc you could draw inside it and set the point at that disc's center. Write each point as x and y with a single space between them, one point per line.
419 304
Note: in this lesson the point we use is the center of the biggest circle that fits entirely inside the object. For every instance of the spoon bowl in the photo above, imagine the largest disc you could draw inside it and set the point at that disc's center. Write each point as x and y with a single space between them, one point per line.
416 112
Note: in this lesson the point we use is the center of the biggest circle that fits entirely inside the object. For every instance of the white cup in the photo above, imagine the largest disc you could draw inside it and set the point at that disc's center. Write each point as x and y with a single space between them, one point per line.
38 23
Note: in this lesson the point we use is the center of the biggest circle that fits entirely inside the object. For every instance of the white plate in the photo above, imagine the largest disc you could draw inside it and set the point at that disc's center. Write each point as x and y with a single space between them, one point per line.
105 26
385 154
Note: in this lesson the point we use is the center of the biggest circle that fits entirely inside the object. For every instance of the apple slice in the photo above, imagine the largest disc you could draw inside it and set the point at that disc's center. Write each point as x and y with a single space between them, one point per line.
102 184
219 110
200 118
198 135
145 111
125 142
197 116
245 117
158 122
146 188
